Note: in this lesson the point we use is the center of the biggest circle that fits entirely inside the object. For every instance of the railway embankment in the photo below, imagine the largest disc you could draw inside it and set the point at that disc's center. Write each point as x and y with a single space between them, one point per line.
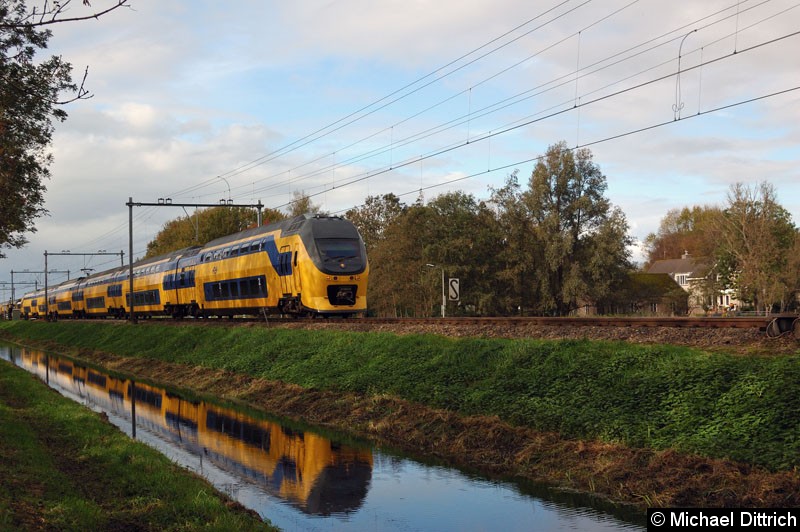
643 424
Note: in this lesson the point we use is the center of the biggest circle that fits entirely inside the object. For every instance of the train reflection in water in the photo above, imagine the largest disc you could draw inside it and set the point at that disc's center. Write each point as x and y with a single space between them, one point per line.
312 473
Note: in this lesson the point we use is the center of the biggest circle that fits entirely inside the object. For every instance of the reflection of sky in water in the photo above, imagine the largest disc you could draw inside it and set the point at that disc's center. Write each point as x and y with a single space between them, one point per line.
389 494
405 495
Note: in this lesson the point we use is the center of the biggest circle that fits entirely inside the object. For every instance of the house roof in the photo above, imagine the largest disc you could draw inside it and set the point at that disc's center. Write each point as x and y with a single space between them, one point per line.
693 268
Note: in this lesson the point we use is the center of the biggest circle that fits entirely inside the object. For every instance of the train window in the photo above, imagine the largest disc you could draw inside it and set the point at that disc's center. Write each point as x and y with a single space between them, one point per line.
225 290
95 302
216 254
216 290
234 251
257 287
338 248
253 247
234 288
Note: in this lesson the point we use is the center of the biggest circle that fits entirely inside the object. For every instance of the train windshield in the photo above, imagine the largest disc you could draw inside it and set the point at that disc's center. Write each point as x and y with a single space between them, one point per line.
338 249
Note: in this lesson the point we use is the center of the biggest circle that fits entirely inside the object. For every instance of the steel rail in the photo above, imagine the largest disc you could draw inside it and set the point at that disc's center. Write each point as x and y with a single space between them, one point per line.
687 322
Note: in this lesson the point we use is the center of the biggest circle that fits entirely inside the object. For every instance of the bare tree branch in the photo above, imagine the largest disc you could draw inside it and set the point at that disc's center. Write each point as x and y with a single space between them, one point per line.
82 93
49 14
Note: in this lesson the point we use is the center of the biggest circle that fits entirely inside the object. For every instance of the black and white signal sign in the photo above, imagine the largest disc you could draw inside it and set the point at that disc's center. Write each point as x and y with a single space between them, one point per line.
454 293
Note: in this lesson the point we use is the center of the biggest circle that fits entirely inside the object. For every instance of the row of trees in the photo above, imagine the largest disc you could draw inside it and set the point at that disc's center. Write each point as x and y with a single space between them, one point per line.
545 247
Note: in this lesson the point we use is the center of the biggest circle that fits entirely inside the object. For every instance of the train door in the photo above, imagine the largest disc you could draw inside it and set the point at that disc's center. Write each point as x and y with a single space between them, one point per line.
285 266
295 271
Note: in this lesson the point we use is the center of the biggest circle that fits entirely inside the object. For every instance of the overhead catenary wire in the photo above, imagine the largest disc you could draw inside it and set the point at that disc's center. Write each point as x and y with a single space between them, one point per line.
394 144
357 113
592 143
551 115
260 161
513 100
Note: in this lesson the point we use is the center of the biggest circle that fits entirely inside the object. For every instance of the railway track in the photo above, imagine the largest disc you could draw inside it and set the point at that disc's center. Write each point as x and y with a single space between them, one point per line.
772 326
739 323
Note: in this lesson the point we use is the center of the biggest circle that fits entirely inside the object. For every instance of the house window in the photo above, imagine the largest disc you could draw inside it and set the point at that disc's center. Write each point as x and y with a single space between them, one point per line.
680 278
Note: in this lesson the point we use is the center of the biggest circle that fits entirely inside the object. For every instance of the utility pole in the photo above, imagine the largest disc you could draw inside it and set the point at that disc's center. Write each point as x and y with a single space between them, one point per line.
70 254
167 202
444 292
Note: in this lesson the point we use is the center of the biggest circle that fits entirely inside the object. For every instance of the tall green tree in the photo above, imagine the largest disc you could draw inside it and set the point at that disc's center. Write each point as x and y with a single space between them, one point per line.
400 284
462 237
32 95
582 241
516 247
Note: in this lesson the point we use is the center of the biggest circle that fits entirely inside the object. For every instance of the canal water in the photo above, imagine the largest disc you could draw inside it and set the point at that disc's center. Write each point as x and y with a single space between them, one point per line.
302 480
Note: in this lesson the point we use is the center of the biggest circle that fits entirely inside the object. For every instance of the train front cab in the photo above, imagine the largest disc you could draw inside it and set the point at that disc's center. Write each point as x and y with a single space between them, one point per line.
330 267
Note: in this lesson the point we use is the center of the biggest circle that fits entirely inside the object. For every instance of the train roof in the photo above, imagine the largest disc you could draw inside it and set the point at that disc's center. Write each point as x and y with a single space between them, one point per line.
319 225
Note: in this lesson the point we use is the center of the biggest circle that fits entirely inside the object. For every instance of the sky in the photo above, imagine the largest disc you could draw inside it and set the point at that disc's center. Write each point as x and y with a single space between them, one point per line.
252 101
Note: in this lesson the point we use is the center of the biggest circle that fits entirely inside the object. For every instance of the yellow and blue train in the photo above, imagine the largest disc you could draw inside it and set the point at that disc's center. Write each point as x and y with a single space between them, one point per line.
306 265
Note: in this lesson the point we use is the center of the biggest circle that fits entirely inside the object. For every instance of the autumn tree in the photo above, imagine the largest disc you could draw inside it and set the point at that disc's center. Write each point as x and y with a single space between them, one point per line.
453 232
302 204
33 93
692 229
582 242
374 216
399 282
757 237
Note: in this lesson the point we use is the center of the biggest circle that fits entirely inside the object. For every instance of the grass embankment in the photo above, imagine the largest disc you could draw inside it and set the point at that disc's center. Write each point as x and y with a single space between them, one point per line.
63 468
741 408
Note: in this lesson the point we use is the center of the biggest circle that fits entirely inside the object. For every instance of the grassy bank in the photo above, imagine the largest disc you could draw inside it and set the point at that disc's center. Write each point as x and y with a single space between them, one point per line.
743 408
63 468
